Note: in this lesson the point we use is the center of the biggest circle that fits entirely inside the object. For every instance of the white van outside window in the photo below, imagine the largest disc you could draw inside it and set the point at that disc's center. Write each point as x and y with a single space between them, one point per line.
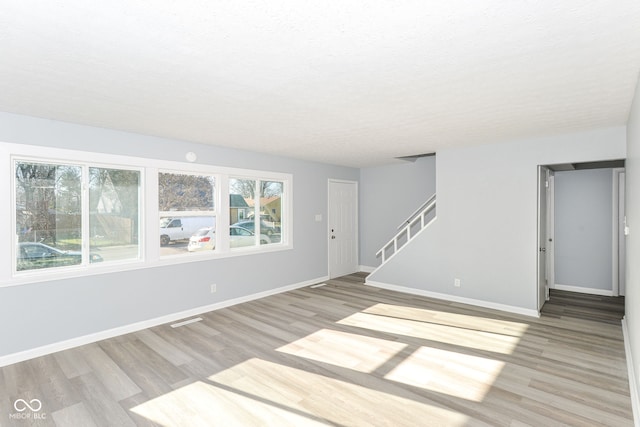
174 229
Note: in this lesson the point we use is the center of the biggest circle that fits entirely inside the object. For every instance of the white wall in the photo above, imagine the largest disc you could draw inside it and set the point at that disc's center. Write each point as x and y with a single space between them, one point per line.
584 229
485 231
38 314
388 195
632 199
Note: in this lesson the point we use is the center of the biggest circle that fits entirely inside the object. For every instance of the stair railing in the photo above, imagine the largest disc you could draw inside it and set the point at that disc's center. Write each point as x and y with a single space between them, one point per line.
409 228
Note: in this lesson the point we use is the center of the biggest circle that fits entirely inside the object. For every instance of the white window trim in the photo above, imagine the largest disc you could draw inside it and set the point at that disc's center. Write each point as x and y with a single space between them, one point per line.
149 243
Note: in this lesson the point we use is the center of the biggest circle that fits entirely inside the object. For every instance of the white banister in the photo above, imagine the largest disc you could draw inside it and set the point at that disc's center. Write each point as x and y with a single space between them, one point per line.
419 217
417 211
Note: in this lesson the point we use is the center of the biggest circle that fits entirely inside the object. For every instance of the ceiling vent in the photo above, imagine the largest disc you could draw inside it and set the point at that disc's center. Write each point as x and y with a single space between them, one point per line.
414 157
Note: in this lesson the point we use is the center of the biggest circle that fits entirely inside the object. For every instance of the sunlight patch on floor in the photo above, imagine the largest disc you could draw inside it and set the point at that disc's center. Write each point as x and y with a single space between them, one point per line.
336 399
456 374
497 326
260 392
203 404
352 351
444 333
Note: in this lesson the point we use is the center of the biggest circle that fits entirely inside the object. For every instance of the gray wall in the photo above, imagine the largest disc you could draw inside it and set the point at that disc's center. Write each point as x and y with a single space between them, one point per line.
33 315
632 199
583 228
388 195
486 230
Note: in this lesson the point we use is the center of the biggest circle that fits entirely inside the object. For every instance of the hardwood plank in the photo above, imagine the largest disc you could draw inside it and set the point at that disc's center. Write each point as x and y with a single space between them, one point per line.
99 402
72 362
139 368
74 415
109 373
170 352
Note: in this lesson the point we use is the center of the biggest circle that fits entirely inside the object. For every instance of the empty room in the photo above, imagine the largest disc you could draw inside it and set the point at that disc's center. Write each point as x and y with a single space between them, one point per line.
338 213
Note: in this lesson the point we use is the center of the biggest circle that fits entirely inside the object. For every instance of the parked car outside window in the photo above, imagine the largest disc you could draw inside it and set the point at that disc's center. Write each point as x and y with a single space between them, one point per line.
34 255
251 225
205 238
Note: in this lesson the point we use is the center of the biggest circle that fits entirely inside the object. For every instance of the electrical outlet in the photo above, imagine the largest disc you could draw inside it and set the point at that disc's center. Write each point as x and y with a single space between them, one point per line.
456 283
213 288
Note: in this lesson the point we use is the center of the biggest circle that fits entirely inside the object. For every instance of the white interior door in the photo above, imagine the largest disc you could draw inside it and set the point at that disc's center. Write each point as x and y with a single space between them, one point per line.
343 228
542 235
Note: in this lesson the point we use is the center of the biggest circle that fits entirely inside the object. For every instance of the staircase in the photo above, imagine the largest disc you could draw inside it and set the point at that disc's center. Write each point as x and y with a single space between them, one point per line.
409 229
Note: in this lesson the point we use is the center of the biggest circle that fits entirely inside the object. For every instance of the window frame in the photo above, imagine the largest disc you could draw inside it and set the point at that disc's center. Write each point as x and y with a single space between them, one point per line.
216 207
148 210
257 208
85 215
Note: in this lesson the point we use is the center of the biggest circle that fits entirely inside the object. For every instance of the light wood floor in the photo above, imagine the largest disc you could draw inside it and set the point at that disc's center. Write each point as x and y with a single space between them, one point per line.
342 354
584 306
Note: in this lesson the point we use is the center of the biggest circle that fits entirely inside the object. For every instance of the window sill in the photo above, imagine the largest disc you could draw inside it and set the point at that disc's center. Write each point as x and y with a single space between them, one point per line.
38 276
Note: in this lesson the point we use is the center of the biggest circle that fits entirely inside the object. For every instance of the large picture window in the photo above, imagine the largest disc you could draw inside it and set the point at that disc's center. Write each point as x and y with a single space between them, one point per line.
186 204
59 225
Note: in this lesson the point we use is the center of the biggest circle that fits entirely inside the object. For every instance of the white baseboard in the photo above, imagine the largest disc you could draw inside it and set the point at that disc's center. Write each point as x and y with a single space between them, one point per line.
453 298
633 384
366 268
134 327
580 289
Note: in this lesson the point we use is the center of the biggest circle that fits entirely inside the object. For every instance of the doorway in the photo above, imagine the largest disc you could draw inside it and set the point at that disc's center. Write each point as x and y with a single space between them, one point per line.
343 228
581 229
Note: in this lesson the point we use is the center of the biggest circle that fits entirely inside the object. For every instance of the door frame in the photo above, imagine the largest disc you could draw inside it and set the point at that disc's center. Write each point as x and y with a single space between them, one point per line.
618 243
542 285
356 225
551 244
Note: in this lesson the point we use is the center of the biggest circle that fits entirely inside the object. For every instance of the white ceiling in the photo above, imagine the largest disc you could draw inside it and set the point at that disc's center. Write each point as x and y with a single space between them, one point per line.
340 81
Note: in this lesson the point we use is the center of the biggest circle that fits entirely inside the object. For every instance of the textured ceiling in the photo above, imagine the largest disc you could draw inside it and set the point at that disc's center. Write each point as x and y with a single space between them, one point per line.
346 82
